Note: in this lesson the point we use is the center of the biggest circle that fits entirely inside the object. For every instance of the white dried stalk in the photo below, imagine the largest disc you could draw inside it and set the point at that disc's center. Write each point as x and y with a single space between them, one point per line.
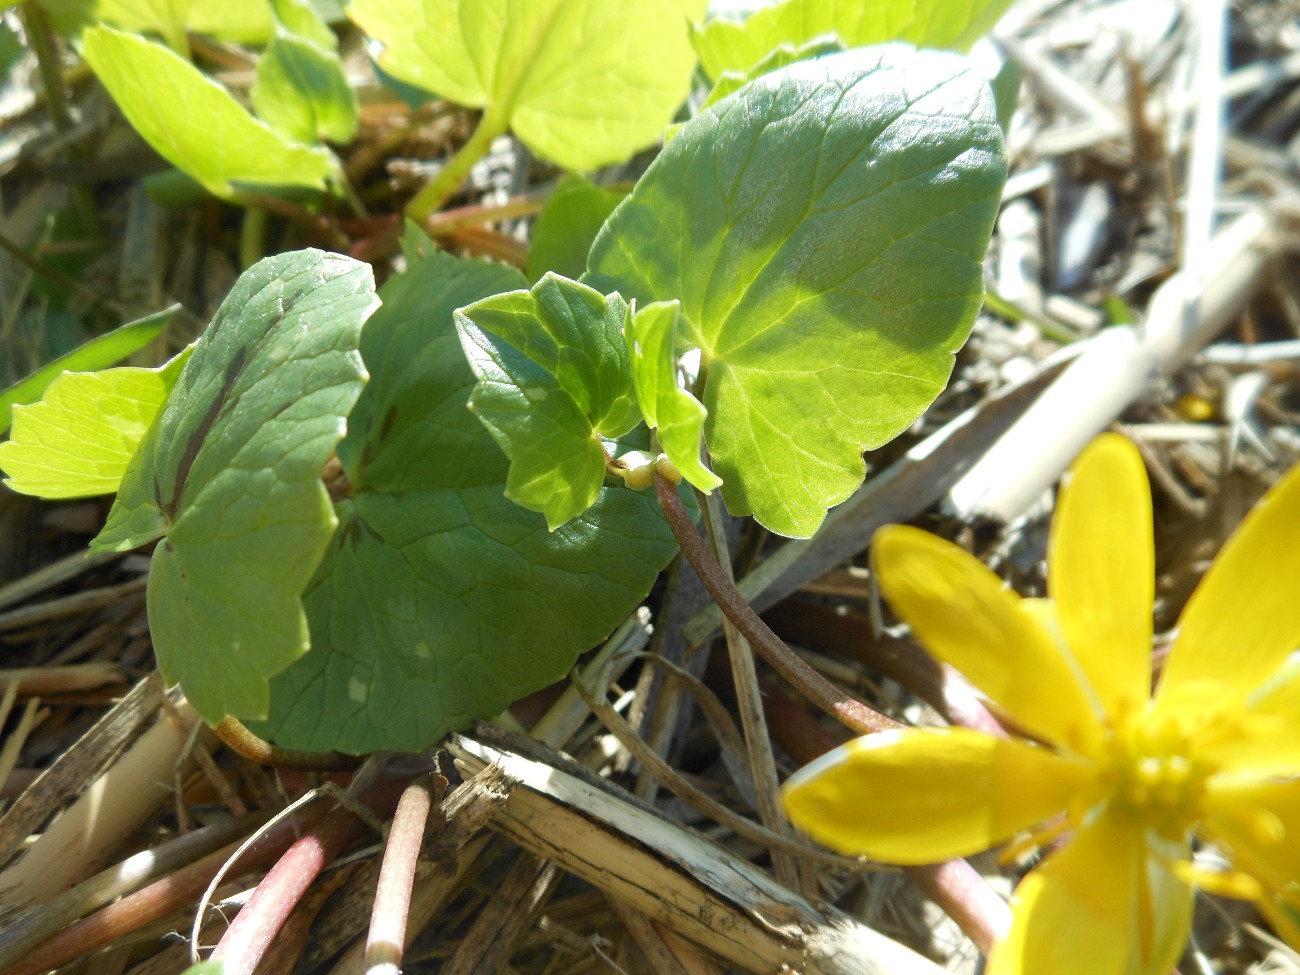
679 879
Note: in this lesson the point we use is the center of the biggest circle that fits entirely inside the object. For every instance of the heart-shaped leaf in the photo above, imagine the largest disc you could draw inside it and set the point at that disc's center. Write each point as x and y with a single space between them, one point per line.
582 82
441 600
553 379
230 475
823 229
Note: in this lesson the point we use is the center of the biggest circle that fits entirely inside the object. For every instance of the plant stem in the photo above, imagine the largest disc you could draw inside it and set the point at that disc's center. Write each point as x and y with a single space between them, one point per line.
252 236
255 927
448 180
387 937
846 709
235 736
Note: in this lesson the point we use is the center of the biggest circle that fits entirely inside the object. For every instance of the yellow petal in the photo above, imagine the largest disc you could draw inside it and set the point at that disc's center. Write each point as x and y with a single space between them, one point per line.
921 796
1101 571
961 613
1261 739
1244 617
1108 903
1260 823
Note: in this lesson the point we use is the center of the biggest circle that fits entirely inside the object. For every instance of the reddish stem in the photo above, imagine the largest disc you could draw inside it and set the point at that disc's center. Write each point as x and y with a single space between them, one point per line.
845 708
259 921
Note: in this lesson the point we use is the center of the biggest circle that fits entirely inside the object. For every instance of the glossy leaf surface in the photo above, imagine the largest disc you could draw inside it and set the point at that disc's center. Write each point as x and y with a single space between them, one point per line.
440 600
581 82
553 378
823 229
229 478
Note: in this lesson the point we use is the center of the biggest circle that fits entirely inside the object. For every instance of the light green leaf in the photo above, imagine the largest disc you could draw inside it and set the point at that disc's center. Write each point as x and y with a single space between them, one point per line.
98 353
237 21
76 442
567 225
823 229
230 475
730 45
582 82
779 57
553 378
301 19
440 600
194 123
677 415
302 92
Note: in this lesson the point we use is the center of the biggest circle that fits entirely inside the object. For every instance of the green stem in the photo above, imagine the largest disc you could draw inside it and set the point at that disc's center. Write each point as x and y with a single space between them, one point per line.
448 180
235 736
252 237
846 709
41 39
47 62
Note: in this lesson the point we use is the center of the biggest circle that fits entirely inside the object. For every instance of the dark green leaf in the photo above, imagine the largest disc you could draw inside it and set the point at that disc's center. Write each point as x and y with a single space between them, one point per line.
230 475
567 225
441 600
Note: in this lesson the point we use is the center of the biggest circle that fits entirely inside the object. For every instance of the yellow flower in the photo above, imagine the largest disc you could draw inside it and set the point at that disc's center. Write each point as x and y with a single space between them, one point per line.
1125 778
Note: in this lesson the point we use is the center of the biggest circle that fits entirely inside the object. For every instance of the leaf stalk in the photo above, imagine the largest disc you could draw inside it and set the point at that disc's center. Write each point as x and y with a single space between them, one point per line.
845 708
450 177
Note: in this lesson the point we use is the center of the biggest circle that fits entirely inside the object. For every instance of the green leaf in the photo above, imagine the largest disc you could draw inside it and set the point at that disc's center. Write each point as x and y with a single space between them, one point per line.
553 378
194 123
440 600
302 92
581 82
730 45
230 475
77 441
567 225
677 415
823 229
98 353
301 19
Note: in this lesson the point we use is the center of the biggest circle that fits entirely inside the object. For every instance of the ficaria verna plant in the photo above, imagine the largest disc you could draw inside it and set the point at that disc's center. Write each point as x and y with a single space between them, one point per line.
1121 783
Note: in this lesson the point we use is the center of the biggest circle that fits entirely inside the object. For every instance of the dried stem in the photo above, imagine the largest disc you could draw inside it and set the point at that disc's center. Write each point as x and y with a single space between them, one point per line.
833 700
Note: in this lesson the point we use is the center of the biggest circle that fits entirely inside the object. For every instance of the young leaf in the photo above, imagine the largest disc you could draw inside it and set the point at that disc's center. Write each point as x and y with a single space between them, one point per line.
230 475
567 225
302 92
98 353
677 415
552 368
582 82
194 123
301 19
76 442
823 228
731 45
440 600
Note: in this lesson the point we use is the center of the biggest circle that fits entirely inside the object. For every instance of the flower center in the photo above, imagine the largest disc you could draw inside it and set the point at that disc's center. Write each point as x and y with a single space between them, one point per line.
1154 777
